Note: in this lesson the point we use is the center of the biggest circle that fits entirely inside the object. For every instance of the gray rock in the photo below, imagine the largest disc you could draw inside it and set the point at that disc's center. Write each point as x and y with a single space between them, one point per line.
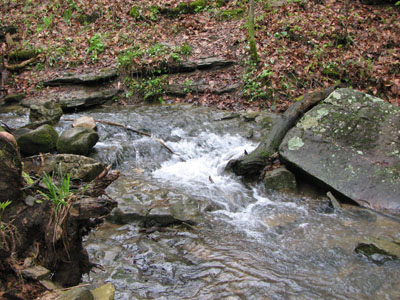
46 113
350 142
78 166
79 140
40 140
88 78
36 273
280 179
85 121
77 293
83 99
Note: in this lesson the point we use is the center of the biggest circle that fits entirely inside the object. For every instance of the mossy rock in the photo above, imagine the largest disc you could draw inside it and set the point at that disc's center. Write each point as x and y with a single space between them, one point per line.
49 113
40 140
350 143
78 140
280 179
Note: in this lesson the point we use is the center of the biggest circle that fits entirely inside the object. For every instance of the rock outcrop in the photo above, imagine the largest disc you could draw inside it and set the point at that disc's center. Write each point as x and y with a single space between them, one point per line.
351 143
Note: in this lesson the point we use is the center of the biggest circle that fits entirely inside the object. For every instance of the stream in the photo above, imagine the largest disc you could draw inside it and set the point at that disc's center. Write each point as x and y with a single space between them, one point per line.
238 241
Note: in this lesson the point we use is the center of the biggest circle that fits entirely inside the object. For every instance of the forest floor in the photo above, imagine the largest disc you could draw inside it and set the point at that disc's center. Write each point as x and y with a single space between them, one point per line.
303 46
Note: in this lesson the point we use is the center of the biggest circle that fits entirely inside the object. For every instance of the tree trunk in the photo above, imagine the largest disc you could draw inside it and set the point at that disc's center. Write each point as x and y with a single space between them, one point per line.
252 164
252 41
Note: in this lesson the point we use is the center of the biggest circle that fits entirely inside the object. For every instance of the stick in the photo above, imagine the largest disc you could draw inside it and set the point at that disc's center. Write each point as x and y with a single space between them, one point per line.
133 130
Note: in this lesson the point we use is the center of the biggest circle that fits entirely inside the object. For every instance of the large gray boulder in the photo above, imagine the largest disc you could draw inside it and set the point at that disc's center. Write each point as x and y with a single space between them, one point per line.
78 140
350 142
40 140
47 113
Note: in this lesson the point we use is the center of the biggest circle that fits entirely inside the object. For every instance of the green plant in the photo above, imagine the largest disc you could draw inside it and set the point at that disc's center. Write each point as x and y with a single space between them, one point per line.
96 46
3 206
151 89
186 49
255 83
60 193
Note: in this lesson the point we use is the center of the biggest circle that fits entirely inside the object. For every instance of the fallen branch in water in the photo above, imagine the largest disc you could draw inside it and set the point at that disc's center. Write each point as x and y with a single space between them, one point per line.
251 165
162 143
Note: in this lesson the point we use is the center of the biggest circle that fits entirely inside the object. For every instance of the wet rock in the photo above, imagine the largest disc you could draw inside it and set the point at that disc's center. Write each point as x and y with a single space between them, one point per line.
214 63
155 211
46 113
79 140
379 249
77 293
40 140
350 142
36 273
87 78
280 179
10 168
105 292
85 121
83 99
78 166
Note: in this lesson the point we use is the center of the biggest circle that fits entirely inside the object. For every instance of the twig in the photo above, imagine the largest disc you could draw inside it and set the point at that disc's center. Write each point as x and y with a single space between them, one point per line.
133 130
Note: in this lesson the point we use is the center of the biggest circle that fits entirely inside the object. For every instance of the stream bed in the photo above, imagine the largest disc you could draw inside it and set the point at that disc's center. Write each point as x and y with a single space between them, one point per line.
238 241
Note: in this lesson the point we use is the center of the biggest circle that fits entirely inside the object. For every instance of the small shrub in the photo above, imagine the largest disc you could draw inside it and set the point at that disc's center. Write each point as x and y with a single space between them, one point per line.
96 46
151 89
58 194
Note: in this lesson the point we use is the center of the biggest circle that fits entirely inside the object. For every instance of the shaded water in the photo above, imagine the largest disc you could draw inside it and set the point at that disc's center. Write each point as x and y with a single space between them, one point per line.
245 245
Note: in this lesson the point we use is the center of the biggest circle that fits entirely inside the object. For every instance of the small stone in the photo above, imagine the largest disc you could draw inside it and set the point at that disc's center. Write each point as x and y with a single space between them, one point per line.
36 273
77 293
30 200
85 121
105 292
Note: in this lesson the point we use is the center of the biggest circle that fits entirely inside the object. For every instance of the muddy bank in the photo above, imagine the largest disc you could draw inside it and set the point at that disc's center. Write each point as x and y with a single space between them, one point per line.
41 241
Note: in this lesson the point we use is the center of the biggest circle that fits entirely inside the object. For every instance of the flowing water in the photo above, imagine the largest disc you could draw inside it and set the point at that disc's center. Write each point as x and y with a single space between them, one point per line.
239 241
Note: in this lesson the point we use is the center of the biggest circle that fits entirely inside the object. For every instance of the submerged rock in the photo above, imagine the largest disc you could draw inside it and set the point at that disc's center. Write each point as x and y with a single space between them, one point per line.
77 293
379 249
105 292
350 142
40 140
79 140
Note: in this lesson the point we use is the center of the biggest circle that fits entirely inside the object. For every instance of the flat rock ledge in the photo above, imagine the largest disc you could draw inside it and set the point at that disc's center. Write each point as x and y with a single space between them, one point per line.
351 143
85 79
